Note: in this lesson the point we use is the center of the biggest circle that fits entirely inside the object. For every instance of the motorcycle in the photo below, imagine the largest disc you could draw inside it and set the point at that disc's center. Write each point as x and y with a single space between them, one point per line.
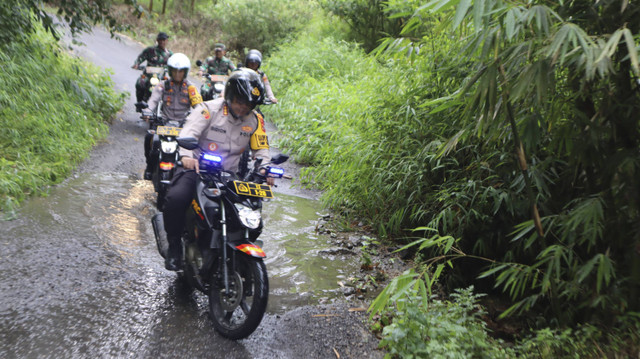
222 255
215 84
155 75
165 147
212 86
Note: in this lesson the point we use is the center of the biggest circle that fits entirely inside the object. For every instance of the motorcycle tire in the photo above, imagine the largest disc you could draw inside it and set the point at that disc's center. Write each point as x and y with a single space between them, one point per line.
162 193
188 274
236 316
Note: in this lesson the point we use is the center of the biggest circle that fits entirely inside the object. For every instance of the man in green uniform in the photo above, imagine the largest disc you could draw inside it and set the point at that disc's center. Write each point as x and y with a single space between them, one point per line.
154 56
218 65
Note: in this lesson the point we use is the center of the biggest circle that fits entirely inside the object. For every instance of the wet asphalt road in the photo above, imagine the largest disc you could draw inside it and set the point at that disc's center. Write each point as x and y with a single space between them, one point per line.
79 276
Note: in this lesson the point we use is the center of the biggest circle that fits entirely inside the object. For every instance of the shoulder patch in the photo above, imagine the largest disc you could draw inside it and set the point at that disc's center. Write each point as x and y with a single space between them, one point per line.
194 96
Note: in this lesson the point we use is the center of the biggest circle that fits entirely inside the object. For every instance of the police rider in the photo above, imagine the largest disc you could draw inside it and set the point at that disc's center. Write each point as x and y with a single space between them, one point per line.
177 96
224 126
253 60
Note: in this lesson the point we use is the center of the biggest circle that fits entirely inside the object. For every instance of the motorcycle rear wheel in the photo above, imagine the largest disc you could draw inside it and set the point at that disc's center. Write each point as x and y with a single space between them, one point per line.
237 315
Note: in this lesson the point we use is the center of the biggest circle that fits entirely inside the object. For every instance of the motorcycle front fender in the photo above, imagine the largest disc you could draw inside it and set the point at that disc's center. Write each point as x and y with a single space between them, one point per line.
248 248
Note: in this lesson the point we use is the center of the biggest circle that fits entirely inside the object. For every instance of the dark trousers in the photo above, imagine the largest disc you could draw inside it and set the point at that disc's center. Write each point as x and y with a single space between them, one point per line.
179 196
142 89
150 156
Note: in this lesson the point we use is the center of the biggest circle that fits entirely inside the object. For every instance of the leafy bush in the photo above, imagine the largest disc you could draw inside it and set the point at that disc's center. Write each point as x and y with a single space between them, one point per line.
53 109
369 20
425 327
257 24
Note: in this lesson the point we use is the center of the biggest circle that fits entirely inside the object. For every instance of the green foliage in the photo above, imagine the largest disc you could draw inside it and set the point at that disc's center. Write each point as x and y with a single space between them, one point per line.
16 17
368 20
425 327
53 109
258 24
426 134
554 73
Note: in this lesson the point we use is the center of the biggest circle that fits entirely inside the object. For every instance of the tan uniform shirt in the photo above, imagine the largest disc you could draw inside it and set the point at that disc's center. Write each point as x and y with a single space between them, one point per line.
218 132
176 99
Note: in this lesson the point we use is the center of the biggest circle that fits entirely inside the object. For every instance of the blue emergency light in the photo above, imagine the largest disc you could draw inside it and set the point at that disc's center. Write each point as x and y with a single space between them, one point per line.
212 158
276 171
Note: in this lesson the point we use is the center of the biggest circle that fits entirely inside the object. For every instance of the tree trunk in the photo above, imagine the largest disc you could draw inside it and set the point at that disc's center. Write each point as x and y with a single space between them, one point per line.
164 6
193 4
150 5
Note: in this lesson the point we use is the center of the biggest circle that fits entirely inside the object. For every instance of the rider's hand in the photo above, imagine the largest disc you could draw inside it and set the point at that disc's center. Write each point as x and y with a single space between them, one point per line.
270 180
134 67
200 73
190 164
146 119
273 100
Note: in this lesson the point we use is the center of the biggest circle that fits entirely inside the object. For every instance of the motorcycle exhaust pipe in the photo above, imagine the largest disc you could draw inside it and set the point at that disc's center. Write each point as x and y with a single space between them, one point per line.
157 221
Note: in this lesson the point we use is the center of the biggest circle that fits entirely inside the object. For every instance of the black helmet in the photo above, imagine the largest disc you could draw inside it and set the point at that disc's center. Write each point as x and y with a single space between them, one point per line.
253 56
162 36
246 86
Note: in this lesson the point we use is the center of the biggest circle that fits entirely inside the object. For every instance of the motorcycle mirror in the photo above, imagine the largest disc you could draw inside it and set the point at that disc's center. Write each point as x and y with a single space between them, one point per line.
189 143
279 158
198 63
141 105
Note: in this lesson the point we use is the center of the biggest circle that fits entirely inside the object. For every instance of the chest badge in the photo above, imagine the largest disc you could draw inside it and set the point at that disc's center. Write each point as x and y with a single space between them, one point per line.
213 146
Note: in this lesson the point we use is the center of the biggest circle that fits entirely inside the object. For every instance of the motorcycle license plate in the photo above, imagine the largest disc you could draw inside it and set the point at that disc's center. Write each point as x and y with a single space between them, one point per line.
253 189
168 131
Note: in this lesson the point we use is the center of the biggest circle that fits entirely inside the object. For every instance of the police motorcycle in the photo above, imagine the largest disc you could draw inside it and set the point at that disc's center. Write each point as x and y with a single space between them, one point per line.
222 253
155 75
215 83
165 147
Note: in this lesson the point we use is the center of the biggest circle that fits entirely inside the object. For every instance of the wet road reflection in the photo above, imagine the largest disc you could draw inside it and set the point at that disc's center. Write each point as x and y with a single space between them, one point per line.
81 277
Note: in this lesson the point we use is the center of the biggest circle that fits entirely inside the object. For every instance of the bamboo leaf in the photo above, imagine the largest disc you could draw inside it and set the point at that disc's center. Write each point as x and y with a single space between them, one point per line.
510 23
633 51
461 12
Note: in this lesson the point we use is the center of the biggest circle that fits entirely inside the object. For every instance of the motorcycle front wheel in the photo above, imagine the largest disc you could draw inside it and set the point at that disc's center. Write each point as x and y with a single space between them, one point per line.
238 313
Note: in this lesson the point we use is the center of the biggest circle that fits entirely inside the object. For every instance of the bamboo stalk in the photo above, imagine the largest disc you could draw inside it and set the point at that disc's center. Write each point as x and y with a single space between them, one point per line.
522 160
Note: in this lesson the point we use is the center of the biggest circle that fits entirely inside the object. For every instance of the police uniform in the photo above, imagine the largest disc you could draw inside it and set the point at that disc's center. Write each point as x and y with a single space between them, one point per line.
154 56
267 85
220 133
177 99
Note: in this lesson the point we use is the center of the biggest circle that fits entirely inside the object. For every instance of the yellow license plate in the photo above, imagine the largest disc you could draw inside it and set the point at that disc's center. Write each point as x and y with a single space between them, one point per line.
168 131
253 189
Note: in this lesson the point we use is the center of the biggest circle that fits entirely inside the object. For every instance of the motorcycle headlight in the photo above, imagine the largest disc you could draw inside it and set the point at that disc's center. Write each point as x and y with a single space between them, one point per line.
169 146
154 81
219 87
249 218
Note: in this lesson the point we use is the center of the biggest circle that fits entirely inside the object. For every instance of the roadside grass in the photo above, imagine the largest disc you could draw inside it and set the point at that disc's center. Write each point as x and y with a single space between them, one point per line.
53 109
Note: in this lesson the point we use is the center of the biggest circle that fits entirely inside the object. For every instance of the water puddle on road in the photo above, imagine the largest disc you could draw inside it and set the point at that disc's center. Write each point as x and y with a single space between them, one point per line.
102 222
81 275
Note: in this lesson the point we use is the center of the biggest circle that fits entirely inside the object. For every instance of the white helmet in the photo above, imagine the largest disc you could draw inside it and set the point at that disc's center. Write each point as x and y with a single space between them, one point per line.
179 61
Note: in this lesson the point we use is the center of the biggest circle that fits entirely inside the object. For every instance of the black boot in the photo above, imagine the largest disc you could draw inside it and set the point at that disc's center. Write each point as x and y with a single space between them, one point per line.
173 262
148 174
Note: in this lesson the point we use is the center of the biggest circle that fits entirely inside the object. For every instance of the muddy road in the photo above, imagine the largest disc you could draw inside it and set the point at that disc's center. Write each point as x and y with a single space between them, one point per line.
80 276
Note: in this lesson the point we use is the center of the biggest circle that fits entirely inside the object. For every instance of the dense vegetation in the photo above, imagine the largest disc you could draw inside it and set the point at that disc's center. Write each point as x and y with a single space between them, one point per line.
53 109
508 126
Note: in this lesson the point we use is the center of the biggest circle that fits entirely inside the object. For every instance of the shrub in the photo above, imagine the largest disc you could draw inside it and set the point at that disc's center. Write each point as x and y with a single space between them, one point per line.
53 109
